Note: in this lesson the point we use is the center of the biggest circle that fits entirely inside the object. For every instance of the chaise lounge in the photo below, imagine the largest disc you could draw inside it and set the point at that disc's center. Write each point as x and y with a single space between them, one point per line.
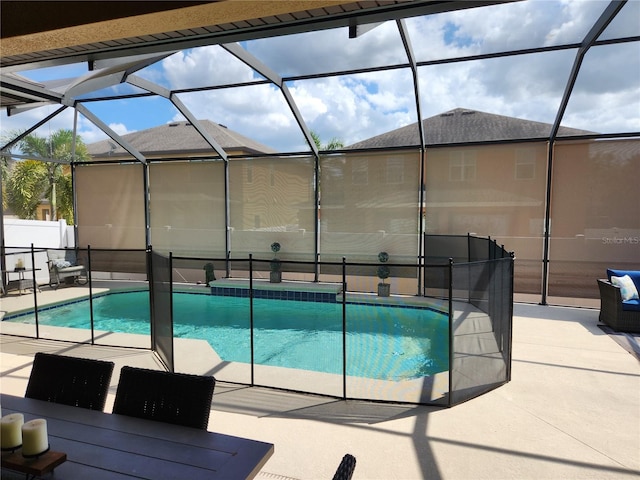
620 305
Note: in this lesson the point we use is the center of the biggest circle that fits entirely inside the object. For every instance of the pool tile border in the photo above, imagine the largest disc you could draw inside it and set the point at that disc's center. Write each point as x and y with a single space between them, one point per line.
243 292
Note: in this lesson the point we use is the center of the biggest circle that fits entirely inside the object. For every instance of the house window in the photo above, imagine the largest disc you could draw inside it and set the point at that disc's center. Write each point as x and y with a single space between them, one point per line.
462 166
359 172
395 170
525 164
45 214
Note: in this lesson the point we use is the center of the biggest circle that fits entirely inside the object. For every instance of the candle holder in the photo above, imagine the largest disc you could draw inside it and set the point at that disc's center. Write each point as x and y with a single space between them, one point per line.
12 449
36 455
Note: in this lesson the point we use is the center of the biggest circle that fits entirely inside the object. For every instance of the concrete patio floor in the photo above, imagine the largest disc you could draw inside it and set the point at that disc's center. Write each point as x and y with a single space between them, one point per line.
571 411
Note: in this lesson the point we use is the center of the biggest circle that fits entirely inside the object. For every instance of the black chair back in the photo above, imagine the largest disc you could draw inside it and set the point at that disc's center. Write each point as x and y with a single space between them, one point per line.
178 398
80 382
346 468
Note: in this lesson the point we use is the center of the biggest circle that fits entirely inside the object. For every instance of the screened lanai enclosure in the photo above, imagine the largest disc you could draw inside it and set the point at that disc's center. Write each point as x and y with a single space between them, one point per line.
319 142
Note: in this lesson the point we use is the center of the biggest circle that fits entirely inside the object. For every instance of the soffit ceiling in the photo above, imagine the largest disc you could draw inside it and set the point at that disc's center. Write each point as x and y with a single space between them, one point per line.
57 32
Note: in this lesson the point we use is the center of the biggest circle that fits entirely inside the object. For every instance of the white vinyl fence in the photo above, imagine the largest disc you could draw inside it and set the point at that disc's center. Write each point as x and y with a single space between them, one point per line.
19 235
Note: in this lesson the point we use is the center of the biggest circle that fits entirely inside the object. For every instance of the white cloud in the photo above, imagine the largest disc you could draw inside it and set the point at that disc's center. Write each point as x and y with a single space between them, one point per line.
203 66
329 50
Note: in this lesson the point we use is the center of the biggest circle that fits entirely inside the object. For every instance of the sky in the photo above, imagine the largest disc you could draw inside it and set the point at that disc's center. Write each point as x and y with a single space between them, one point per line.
352 108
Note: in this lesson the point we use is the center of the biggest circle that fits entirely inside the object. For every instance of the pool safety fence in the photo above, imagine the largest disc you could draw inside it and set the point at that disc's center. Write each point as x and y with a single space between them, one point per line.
467 280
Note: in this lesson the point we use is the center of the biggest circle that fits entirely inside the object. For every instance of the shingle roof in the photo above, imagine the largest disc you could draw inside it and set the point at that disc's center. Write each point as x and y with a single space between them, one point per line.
179 138
462 125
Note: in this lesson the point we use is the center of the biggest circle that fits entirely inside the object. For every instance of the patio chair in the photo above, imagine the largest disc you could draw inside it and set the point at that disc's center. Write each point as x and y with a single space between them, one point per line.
64 264
346 468
79 382
177 398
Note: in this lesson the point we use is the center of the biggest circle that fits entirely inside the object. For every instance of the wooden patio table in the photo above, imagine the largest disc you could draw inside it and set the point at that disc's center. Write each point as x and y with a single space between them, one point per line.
107 446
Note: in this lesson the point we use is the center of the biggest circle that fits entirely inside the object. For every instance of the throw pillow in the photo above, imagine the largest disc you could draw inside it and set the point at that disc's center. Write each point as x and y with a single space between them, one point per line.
628 289
61 263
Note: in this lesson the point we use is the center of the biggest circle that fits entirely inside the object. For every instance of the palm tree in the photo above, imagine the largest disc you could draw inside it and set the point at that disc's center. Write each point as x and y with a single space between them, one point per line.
4 172
333 144
24 187
33 180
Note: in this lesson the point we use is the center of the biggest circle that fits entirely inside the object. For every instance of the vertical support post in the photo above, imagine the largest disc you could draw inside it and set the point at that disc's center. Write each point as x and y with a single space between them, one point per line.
251 316
451 356
344 328
227 216
422 220
316 243
547 225
74 199
3 258
147 211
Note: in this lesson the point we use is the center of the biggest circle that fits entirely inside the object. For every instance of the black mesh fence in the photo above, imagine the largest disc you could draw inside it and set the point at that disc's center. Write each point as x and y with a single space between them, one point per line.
349 335
161 298
481 327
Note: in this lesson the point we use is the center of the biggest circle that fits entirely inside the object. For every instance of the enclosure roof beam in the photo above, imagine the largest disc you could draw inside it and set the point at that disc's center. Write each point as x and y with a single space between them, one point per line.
173 98
149 86
114 136
406 42
23 90
113 73
241 54
198 126
35 127
601 24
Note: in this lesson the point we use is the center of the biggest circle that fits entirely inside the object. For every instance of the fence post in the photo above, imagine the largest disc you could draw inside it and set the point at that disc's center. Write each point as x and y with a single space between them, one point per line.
35 288
91 292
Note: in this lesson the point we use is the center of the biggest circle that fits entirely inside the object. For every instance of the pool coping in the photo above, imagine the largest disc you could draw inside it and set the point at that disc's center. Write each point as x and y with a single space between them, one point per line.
331 293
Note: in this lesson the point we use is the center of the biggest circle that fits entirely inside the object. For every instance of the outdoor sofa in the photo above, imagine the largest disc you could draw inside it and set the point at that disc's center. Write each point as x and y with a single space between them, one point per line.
619 304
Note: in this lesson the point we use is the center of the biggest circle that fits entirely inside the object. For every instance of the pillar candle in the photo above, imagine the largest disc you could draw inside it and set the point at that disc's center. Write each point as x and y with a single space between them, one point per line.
34 437
12 430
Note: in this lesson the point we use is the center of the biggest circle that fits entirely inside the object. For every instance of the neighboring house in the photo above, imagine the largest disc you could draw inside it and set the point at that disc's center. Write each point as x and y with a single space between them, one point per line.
487 174
462 125
486 189
178 139
187 201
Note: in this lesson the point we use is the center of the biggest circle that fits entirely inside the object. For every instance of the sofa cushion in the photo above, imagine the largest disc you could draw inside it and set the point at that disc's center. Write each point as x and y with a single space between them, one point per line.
628 290
631 305
62 258
61 263
634 274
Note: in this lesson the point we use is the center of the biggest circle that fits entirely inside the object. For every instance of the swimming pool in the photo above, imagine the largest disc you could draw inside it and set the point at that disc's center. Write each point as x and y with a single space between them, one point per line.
382 342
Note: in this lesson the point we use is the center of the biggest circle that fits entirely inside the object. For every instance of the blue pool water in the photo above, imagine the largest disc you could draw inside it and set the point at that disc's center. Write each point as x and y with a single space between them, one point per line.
383 342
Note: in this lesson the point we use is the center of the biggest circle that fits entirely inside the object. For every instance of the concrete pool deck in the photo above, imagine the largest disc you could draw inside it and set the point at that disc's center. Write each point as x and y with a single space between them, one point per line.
572 410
